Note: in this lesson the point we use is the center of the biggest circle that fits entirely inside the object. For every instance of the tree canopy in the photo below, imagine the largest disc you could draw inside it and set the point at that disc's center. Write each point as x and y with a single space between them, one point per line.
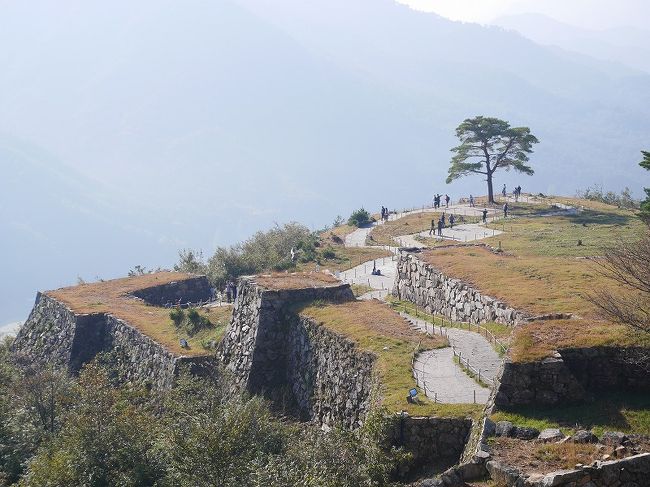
489 144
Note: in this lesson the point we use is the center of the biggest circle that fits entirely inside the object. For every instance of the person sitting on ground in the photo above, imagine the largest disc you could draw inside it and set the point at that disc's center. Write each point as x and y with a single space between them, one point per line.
451 221
440 225
485 212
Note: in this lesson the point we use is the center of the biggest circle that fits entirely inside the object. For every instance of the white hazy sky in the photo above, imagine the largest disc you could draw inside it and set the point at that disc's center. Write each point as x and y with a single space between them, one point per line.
594 14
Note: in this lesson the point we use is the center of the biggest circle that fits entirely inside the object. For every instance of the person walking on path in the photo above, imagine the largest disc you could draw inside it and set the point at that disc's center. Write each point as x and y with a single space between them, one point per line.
440 225
485 212
451 221
447 198
505 210
504 192
433 226
444 219
471 201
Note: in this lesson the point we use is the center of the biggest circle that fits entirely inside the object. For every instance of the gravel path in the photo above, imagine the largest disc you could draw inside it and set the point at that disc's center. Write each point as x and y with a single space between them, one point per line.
441 379
471 345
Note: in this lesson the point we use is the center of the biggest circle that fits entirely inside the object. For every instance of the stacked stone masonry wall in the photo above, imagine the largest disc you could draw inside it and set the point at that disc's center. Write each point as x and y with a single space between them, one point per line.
55 335
432 440
422 284
331 379
190 290
267 348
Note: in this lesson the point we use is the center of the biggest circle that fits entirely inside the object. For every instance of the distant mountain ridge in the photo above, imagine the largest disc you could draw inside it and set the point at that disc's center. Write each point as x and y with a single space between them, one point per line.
629 46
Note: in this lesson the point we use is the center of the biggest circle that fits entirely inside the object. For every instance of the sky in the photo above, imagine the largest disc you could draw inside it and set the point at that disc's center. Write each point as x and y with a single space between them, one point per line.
591 14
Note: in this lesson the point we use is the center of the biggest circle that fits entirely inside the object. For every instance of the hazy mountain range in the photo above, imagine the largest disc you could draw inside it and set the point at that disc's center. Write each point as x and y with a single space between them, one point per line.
129 130
628 45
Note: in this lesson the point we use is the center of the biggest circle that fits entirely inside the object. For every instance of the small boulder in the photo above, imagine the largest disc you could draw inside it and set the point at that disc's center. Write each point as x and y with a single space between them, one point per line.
584 436
504 428
550 435
490 427
525 433
613 438
621 451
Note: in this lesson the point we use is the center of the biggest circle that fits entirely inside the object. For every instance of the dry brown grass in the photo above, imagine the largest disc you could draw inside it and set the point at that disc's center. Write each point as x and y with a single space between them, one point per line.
537 340
413 223
295 280
376 328
113 297
535 284
533 457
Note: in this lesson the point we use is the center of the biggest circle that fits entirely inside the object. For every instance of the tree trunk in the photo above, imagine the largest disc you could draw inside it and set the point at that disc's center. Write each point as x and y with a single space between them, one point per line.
490 191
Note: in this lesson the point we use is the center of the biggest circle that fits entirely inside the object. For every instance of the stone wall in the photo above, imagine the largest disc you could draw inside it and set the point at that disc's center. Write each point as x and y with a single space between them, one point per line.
269 350
573 375
190 290
55 335
546 382
254 345
609 367
632 471
422 284
432 440
331 379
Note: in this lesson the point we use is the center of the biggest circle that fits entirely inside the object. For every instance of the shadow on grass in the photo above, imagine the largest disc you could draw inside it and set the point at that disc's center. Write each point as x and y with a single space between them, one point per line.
612 410
591 217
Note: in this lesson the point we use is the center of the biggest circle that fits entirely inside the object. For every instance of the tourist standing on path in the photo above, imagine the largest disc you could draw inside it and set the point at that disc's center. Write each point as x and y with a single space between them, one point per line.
505 210
447 198
440 225
471 201
451 221
485 215
433 226
503 191
444 219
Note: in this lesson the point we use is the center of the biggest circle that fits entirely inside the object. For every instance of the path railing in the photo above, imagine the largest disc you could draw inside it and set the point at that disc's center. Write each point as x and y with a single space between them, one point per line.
464 362
447 323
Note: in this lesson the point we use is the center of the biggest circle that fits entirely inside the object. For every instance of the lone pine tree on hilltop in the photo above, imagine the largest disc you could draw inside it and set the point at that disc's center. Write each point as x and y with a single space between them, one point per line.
489 144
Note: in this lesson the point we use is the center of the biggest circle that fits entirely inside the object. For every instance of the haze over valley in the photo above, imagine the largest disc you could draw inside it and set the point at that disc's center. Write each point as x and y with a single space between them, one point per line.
129 131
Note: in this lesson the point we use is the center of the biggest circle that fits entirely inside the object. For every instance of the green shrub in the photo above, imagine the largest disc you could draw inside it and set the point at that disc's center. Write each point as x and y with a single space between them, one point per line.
328 252
359 218
597 193
191 320
177 315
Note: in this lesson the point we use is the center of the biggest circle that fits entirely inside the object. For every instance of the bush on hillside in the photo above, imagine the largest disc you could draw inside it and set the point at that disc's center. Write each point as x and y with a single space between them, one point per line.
359 218
191 320
264 251
596 193
194 434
